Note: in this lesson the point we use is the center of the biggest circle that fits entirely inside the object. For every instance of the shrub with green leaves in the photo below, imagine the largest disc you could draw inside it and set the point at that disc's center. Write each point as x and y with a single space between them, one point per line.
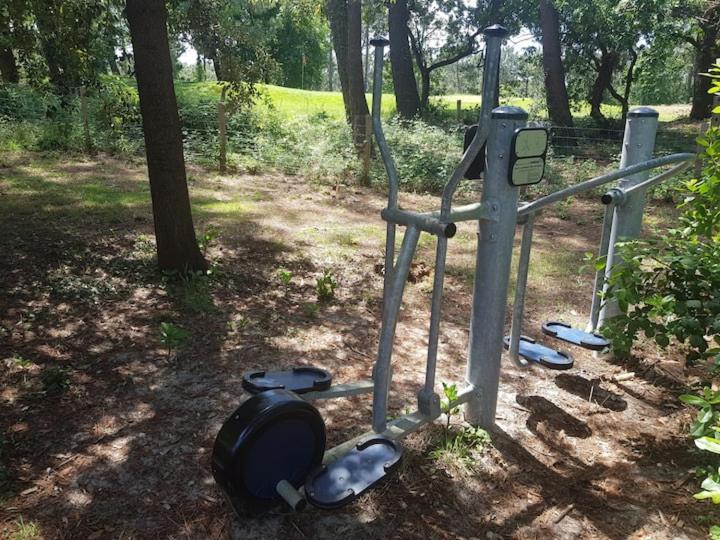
668 287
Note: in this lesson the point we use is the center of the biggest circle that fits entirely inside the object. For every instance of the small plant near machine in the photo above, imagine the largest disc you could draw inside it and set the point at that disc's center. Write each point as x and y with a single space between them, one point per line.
451 393
325 286
457 446
172 337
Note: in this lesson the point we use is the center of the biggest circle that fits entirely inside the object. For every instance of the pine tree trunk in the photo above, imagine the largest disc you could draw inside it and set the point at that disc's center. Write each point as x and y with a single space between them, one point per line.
8 66
177 247
406 91
556 94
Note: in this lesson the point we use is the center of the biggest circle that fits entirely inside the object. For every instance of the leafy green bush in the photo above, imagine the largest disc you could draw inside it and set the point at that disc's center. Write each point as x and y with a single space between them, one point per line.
425 155
669 287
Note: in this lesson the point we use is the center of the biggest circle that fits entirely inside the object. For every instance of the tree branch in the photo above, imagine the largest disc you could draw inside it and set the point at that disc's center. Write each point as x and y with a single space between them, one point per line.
468 51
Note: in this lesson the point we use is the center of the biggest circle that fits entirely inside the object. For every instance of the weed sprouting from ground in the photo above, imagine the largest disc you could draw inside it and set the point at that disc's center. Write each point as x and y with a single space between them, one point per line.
325 286
172 337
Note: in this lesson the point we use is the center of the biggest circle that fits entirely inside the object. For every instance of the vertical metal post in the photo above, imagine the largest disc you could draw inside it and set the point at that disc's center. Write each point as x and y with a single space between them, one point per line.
521 289
367 150
391 310
638 146
599 282
492 269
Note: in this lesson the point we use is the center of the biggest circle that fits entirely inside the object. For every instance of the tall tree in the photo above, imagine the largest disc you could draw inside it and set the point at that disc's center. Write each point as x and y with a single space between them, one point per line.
603 40
407 98
346 28
556 94
177 247
336 11
443 32
698 23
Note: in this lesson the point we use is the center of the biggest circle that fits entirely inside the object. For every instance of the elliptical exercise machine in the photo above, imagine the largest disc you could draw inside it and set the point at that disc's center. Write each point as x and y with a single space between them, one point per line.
273 445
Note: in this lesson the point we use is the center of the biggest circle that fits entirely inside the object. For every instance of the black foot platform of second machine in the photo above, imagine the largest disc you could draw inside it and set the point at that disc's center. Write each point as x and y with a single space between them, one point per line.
349 476
299 380
533 351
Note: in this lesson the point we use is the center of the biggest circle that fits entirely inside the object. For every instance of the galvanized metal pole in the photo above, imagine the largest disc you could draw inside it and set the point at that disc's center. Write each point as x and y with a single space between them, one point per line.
492 269
638 146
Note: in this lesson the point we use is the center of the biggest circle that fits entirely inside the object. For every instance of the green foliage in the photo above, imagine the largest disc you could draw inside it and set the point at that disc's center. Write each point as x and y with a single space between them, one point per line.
55 380
173 337
705 430
285 276
207 238
669 287
325 286
25 530
425 155
461 446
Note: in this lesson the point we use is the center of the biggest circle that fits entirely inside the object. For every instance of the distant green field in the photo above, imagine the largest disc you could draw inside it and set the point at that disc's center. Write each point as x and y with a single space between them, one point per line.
294 102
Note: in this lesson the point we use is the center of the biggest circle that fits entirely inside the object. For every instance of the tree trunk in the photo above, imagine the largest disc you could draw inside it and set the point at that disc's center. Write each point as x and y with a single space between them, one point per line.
367 61
605 69
330 69
356 84
556 94
217 68
338 19
8 66
704 58
624 98
177 247
424 88
406 91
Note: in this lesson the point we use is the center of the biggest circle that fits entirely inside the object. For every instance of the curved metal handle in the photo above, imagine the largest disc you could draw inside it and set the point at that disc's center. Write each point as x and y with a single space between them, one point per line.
380 43
494 36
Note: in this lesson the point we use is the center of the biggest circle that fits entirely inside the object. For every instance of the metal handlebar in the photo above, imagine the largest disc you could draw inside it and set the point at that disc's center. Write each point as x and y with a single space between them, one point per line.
380 43
494 36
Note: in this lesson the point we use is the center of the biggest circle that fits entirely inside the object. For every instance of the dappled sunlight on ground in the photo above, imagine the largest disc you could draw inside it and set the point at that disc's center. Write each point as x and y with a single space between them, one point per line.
107 433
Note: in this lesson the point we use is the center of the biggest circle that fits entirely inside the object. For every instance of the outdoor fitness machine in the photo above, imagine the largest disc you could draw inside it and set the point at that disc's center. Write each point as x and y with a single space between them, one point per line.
273 445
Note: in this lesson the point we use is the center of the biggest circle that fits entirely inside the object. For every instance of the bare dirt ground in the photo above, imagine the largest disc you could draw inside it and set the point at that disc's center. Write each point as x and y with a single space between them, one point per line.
118 444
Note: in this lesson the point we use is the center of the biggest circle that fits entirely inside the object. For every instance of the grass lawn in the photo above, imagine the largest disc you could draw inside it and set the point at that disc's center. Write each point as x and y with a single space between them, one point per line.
293 102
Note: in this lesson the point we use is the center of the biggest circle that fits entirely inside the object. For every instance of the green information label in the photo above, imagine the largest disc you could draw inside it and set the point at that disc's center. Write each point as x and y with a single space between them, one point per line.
531 143
527 157
528 171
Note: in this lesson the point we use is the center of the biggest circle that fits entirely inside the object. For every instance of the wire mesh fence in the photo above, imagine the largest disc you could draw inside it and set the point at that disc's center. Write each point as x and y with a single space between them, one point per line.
220 135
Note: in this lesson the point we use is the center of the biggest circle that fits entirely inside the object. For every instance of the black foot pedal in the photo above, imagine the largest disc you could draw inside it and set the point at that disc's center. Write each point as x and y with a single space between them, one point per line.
532 351
299 380
568 334
349 476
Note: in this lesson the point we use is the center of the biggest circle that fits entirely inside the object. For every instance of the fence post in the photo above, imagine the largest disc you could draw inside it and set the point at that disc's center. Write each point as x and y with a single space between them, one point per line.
458 109
492 269
222 131
638 146
85 119
367 150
